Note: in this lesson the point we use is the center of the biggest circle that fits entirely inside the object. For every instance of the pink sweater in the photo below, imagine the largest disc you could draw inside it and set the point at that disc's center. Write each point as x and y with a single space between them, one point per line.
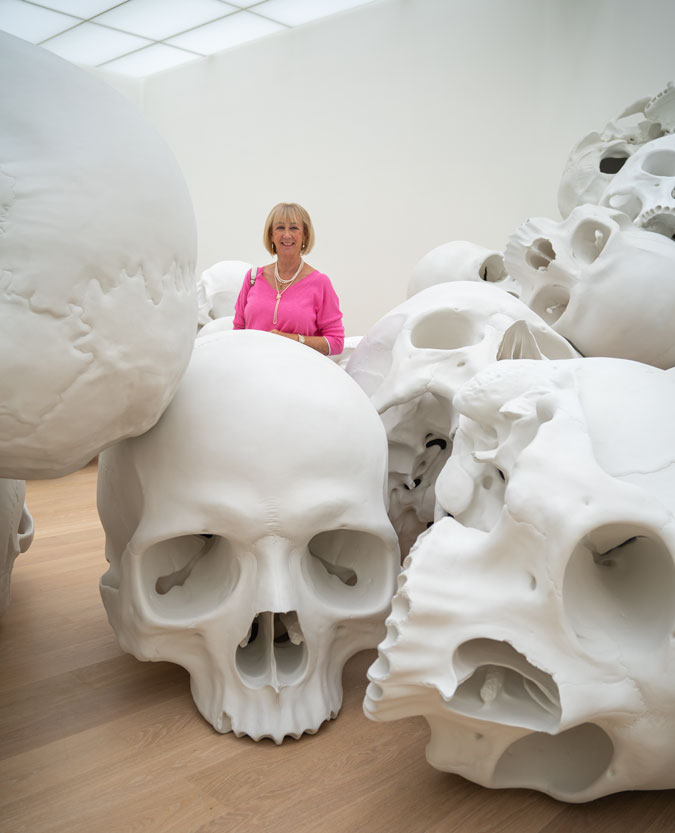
310 307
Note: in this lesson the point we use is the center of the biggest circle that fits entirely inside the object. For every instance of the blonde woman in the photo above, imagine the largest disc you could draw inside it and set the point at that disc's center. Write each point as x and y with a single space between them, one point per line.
289 297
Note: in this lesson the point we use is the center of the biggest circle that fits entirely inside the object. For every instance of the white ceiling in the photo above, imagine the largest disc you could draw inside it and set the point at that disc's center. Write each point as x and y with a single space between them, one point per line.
140 37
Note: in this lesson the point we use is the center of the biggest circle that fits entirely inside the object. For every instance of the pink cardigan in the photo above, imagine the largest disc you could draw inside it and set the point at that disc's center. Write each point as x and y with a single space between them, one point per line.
310 307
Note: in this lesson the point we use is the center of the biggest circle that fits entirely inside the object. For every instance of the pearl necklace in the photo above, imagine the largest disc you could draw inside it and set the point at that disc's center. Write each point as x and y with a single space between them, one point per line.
277 276
282 285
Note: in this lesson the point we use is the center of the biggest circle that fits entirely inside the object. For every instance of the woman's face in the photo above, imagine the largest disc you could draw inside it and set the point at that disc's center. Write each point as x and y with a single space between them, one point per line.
288 236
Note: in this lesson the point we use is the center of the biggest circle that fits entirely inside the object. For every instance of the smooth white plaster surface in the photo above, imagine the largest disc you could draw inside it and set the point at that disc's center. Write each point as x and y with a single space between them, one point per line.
97 249
533 624
403 125
600 281
247 533
412 363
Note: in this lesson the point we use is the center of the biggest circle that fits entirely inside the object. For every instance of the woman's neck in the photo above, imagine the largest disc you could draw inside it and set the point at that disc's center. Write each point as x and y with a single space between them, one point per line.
287 265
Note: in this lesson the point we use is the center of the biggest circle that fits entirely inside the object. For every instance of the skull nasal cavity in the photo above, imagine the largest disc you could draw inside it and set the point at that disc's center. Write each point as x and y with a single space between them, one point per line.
499 684
540 254
445 329
612 164
273 652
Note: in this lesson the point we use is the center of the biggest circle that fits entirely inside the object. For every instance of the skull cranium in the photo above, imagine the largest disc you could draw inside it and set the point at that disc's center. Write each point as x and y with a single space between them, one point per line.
247 533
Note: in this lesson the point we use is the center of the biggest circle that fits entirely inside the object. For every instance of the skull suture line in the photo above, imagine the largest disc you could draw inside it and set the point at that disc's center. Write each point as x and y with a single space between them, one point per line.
247 534
600 282
539 646
413 361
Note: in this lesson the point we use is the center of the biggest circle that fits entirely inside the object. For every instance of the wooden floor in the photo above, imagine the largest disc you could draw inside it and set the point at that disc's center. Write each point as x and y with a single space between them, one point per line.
93 741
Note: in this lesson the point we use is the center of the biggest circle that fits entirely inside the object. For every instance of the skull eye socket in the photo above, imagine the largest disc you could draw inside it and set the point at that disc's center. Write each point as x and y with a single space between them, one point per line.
550 303
619 591
660 163
188 575
347 567
540 254
492 269
589 240
444 329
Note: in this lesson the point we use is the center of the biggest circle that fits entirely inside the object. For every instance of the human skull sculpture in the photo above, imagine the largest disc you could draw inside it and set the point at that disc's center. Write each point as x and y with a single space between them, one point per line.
97 245
598 157
218 288
247 534
459 260
600 282
16 532
645 187
413 361
539 644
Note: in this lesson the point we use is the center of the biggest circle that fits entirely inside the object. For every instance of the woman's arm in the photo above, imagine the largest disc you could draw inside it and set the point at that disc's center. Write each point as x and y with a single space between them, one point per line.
318 343
239 322
329 320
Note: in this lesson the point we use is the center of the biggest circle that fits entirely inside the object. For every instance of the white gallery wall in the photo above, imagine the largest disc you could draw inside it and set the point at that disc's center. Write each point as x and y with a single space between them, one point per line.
402 125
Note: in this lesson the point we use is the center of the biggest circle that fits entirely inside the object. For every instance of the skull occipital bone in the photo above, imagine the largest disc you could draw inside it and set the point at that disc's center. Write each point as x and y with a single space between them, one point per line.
540 647
247 533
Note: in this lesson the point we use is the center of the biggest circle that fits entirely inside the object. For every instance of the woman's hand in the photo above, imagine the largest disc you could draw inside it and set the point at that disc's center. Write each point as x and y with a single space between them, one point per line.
317 343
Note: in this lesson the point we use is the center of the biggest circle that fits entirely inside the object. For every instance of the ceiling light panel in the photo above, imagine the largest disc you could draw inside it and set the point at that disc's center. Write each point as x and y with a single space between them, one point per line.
159 19
32 23
93 45
80 8
223 34
297 12
150 60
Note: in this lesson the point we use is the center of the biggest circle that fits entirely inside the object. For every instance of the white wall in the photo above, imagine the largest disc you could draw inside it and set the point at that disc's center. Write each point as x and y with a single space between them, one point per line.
403 125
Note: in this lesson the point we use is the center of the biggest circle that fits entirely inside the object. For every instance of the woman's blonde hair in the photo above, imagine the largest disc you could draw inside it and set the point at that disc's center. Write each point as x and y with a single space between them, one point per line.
288 212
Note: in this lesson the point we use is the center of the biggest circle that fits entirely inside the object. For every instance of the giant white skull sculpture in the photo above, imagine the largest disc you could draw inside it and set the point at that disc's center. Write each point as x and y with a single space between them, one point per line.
459 260
16 532
97 245
598 157
247 533
412 362
539 644
605 285
645 187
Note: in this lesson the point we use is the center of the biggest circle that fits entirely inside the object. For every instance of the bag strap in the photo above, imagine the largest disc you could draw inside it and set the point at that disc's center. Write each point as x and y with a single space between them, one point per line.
254 274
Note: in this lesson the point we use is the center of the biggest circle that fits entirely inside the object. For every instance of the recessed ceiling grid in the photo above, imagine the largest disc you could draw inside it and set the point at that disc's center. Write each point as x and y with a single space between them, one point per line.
140 37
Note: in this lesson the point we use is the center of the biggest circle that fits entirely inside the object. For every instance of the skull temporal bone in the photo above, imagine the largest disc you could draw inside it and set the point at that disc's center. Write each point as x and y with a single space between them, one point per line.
569 687
247 534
